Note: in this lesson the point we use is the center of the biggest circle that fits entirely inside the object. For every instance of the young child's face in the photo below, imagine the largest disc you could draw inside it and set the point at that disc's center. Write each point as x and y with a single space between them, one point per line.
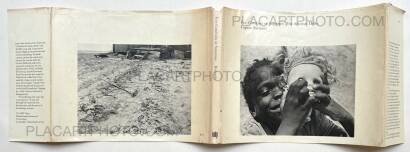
310 72
268 94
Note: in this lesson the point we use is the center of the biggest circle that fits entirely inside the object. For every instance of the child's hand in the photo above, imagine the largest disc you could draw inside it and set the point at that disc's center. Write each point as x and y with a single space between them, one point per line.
321 95
325 104
296 107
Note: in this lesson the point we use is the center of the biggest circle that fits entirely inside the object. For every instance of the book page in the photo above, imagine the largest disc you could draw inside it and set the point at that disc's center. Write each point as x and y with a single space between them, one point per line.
29 46
304 77
394 108
131 76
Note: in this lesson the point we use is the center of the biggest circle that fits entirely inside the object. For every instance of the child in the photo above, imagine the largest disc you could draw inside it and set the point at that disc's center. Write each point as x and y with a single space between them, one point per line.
263 91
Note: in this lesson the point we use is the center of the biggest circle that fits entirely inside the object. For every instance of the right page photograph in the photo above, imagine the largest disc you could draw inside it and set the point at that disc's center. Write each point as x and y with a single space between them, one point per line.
313 77
323 77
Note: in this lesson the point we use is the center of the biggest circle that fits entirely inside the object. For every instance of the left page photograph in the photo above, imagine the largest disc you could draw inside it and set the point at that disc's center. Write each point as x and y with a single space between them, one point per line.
79 75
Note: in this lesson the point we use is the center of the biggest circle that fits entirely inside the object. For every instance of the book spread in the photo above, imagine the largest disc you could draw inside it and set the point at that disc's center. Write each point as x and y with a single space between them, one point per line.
207 76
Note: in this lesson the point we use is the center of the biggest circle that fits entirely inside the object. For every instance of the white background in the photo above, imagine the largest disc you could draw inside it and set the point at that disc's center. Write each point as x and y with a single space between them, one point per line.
266 5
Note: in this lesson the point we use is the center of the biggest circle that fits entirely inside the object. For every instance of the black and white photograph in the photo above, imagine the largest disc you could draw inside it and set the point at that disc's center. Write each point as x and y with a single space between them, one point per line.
134 89
298 90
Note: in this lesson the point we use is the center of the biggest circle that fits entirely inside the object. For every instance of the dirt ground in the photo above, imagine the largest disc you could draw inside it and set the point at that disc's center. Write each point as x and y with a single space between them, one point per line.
118 95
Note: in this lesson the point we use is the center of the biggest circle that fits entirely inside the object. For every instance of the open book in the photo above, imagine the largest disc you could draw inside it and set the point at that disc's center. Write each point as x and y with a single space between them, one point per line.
207 76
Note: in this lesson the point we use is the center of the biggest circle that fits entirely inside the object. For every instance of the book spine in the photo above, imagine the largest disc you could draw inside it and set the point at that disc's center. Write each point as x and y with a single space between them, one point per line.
216 65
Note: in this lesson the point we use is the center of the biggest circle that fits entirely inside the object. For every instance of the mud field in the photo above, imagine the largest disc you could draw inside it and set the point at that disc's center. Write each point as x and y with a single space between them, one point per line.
118 95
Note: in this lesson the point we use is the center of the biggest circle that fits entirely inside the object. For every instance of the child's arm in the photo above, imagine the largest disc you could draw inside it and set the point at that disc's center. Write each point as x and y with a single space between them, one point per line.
333 109
296 108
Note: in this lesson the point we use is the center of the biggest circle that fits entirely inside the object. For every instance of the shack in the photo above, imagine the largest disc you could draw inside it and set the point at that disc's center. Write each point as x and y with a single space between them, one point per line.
132 51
